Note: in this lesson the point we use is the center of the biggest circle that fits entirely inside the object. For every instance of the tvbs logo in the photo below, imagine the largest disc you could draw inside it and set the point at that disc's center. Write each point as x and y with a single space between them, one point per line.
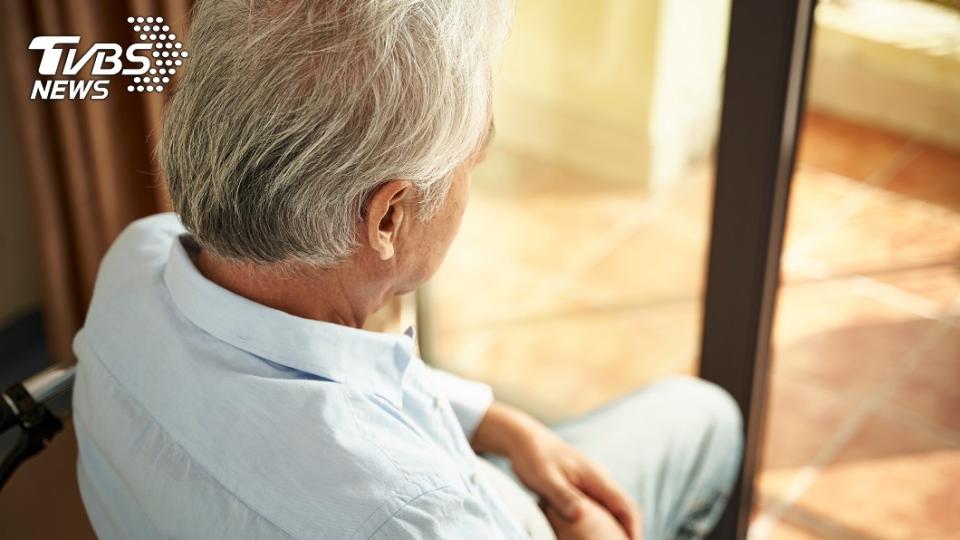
151 62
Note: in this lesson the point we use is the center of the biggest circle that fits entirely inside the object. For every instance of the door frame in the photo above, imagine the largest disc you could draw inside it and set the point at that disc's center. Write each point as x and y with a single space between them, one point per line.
766 68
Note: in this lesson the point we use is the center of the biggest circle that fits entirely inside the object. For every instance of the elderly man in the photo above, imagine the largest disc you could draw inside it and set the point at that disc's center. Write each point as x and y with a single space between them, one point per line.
318 156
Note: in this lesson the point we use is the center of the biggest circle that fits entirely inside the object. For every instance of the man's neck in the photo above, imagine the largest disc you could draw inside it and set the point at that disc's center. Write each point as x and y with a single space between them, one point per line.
339 295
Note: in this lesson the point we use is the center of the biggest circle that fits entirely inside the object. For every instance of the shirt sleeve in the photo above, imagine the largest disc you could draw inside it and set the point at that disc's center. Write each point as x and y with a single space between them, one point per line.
469 399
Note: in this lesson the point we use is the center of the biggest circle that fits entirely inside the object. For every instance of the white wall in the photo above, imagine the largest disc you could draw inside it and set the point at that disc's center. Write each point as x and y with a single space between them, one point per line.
894 64
626 90
687 85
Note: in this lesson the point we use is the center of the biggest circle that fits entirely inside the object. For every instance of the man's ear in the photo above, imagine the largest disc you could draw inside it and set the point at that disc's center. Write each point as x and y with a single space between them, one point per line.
385 212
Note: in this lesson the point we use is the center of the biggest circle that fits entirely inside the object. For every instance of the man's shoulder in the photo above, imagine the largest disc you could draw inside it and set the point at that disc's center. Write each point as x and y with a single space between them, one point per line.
147 238
129 285
140 250
297 462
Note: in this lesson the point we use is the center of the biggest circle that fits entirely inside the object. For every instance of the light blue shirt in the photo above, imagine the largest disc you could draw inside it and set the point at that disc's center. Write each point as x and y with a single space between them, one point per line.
202 414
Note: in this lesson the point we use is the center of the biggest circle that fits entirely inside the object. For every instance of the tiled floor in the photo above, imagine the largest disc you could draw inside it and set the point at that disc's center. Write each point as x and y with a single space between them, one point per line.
863 437
565 291
557 272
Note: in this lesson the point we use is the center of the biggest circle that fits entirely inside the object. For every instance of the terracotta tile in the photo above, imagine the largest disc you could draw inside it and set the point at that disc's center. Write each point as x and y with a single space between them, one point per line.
815 196
846 148
890 233
531 230
896 238
930 390
564 365
818 199
801 418
662 258
773 484
799 522
658 263
891 481
934 177
478 284
796 524
829 334
892 239
937 283
526 223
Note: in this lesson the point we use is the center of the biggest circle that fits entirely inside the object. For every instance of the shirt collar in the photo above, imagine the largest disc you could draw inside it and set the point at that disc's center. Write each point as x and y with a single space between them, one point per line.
368 360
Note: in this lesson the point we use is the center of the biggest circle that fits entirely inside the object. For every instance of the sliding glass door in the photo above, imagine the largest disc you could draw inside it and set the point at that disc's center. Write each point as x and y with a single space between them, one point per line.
627 223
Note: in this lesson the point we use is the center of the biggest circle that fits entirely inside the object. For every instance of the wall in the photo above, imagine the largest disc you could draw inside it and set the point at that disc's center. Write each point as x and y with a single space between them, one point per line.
889 63
623 90
688 85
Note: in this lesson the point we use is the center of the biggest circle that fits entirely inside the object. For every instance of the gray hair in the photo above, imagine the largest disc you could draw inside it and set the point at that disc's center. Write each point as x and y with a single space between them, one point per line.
291 112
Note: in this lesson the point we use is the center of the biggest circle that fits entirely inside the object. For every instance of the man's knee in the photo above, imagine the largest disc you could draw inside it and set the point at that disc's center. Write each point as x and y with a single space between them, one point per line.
706 399
715 415
712 440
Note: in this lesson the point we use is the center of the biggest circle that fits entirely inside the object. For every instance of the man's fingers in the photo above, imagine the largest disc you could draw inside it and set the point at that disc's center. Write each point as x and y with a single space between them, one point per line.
601 489
551 514
563 496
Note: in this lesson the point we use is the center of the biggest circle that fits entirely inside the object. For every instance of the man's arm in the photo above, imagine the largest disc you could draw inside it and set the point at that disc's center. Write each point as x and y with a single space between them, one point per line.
570 483
470 400
546 464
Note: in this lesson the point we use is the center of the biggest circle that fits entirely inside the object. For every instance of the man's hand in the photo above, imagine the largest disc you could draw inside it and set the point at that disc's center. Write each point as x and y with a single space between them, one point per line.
594 523
567 480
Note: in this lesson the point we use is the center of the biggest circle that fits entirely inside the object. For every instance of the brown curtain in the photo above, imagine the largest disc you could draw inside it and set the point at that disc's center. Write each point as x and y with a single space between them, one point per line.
89 163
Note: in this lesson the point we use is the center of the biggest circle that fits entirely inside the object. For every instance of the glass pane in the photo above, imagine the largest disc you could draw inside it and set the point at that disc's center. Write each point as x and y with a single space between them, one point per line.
579 268
863 437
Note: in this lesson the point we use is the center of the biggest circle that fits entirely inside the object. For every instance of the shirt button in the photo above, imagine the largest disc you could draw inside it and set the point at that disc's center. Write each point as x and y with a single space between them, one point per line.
474 478
439 402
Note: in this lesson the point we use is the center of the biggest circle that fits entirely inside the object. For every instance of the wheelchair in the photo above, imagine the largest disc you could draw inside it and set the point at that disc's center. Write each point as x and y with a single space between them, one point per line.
24 406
